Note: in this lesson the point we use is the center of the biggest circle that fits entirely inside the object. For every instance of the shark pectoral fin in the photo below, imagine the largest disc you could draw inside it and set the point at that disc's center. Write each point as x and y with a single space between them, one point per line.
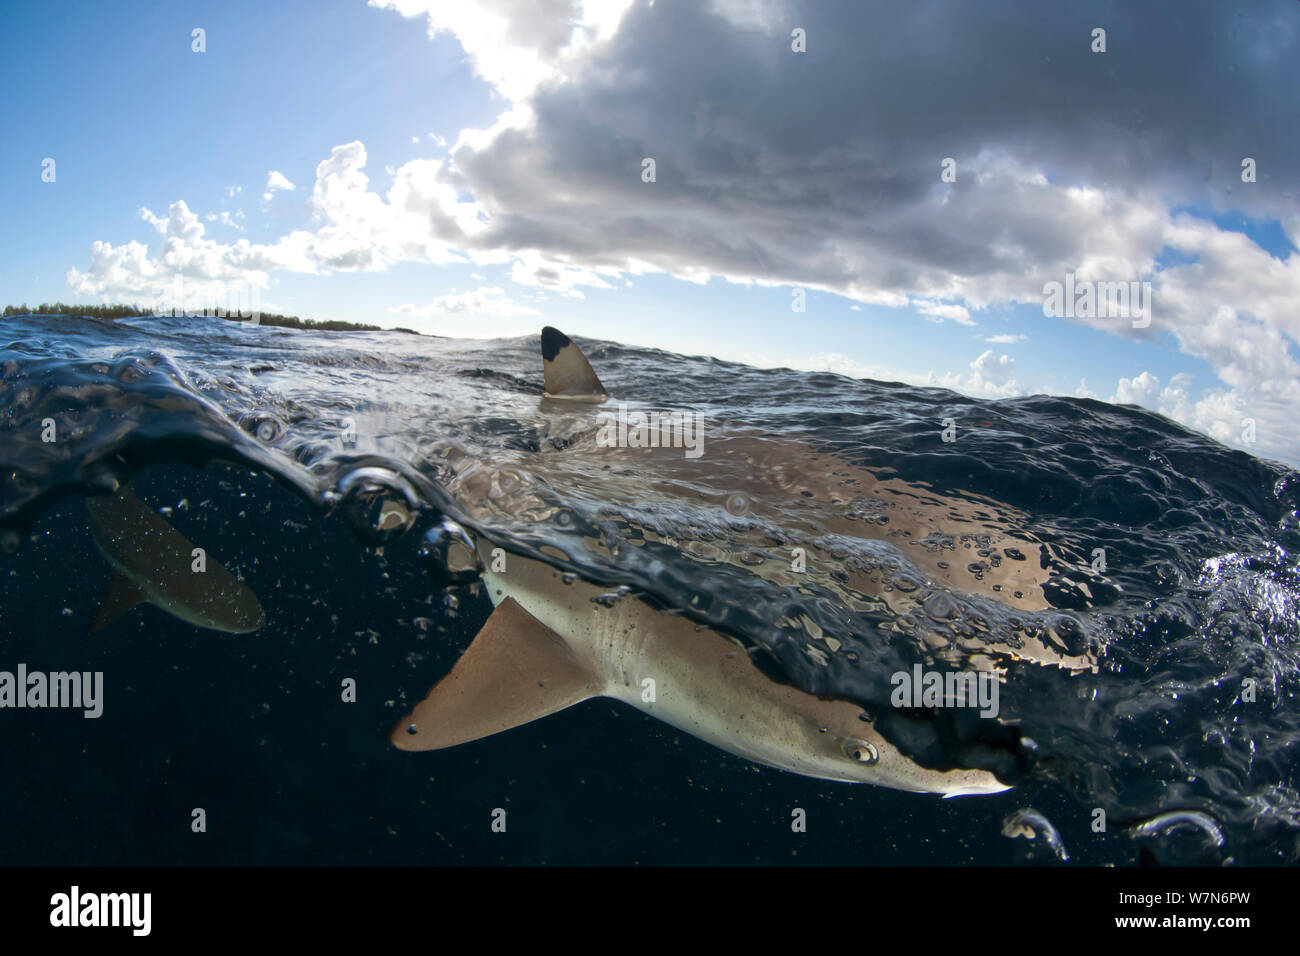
122 595
516 671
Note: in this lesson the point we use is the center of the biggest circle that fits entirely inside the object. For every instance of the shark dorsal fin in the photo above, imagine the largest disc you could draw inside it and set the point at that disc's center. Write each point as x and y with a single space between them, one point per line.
516 671
568 373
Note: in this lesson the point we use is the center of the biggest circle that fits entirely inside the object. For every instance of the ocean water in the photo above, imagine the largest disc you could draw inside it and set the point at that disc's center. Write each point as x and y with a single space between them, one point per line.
1134 584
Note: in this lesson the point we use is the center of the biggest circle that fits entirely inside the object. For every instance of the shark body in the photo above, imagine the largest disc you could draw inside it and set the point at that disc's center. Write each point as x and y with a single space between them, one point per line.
153 563
550 644
553 641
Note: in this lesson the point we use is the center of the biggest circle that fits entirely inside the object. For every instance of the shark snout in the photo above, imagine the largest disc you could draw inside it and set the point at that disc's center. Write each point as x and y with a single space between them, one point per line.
230 610
251 619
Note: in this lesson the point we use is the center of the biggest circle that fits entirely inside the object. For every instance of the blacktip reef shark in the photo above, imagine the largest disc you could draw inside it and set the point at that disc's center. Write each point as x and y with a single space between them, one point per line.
550 643
153 563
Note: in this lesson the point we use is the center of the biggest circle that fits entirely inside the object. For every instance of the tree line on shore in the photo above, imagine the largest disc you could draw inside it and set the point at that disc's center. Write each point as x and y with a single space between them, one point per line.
118 311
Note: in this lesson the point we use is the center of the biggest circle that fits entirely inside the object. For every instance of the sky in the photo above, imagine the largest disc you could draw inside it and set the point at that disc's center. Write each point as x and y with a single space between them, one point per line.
885 190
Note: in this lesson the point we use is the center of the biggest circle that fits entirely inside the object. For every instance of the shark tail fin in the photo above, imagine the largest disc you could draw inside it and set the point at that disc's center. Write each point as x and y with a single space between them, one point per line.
122 595
568 373
516 671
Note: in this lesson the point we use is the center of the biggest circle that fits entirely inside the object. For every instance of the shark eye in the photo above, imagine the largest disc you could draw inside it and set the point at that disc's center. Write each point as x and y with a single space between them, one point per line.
412 729
861 751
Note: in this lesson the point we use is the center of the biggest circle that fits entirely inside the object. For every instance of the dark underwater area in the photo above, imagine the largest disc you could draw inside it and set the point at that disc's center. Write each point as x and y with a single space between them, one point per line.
232 430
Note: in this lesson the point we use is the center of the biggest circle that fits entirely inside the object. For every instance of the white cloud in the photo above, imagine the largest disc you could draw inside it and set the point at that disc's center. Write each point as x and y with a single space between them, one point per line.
844 365
1006 338
207 271
1252 421
515 45
991 376
418 220
994 369
957 313
1083 391
485 300
532 269
277 180
1140 390
485 312
225 218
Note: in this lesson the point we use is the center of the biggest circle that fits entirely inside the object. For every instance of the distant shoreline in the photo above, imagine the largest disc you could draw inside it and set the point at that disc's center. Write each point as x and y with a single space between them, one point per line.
114 312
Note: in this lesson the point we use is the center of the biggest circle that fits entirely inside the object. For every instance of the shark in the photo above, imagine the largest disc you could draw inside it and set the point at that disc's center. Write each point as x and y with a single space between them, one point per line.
153 563
554 641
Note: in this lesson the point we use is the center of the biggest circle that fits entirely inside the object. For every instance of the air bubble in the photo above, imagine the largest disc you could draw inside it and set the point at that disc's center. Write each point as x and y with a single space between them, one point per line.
738 505
449 555
377 503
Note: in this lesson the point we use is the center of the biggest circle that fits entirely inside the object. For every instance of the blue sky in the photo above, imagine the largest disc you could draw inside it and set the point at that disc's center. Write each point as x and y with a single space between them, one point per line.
475 169
134 117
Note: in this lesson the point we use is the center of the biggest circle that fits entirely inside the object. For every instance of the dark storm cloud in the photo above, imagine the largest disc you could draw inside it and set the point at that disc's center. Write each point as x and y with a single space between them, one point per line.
823 168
